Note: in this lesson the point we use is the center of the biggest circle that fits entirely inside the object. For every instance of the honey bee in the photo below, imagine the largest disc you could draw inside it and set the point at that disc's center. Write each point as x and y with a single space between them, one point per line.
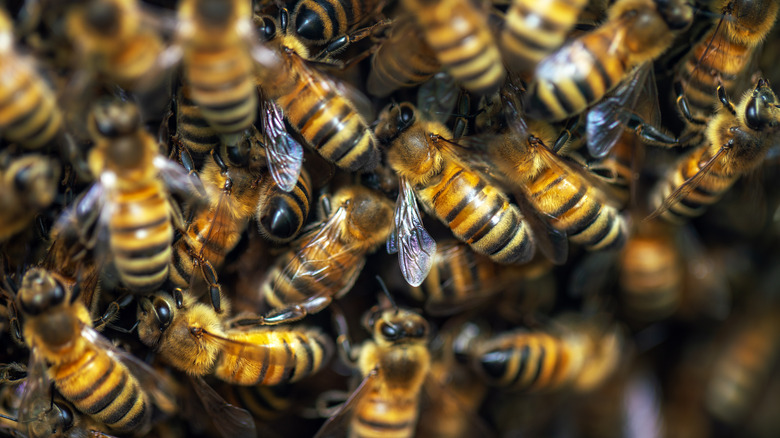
722 57
192 130
281 214
219 47
477 212
334 128
577 355
737 140
29 185
581 72
130 200
322 21
402 59
113 387
326 261
394 367
742 368
534 30
265 403
460 36
571 201
29 114
192 337
113 38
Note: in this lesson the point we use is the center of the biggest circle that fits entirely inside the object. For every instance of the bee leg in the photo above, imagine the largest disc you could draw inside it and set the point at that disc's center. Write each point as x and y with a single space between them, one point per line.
112 313
13 320
724 99
340 44
177 217
324 209
298 311
347 352
682 105
72 154
653 135
12 372
215 290
461 125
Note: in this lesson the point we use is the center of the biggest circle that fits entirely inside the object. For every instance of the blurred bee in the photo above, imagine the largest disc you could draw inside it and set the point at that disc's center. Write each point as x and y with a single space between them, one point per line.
113 387
322 21
460 278
220 53
326 261
577 354
394 367
29 114
28 185
315 105
460 36
737 140
477 212
724 56
742 368
193 131
402 59
130 201
571 199
581 72
192 337
534 30
265 403
114 39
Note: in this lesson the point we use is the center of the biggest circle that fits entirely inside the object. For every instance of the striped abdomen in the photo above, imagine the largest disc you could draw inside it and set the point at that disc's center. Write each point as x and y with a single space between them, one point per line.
525 361
281 214
478 214
534 29
651 277
222 83
132 62
403 60
28 108
709 190
319 21
292 354
578 75
192 129
141 235
385 414
458 273
576 209
460 36
328 122
319 269
103 388
265 403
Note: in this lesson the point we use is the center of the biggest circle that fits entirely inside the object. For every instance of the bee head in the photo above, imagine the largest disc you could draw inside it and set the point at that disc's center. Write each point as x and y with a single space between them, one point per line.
40 292
394 326
762 112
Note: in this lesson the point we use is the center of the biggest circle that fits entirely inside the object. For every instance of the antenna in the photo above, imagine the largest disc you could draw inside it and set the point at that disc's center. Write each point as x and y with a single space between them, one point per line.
387 292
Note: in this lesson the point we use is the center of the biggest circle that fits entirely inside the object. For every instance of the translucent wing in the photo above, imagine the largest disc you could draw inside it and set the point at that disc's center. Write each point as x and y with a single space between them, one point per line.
687 186
231 421
409 238
161 390
36 400
607 119
178 180
78 219
337 425
283 152
438 96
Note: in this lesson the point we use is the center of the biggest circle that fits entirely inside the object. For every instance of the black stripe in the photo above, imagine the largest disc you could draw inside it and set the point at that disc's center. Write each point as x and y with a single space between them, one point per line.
539 364
334 125
87 391
291 361
22 119
130 229
500 244
145 271
309 355
107 398
209 87
382 425
122 410
141 253
570 203
562 99
332 12
522 354
605 78
585 221
486 222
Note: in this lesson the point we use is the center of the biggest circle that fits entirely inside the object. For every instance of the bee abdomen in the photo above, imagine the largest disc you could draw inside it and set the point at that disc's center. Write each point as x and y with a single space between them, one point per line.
283 287
404 60
104 389
281 214
384 417
319 21
28 110
192 129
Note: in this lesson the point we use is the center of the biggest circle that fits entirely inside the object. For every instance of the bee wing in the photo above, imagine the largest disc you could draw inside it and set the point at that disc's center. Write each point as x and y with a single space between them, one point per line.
688 185
607 119
161 391
231 421
82 214
415 247
177 179
338 423
283 152
438 96
36 399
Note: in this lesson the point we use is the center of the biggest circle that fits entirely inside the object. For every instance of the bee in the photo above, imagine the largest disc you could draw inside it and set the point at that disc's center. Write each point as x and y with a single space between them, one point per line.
394 366
577 355
113 39
193 131
534 30
460 36
29 114
737 140
571 201
476 211
313 104
281 214
581 72
192 337
29 185
110 386
131 200
460 278
722 57
220 57
265 403
402 59
322 21
742 368
326 261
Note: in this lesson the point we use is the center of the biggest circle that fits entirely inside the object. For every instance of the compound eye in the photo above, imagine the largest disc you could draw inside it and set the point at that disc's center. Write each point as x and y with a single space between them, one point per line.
405 117
268 29
419 332
238 155
163 312
390 332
